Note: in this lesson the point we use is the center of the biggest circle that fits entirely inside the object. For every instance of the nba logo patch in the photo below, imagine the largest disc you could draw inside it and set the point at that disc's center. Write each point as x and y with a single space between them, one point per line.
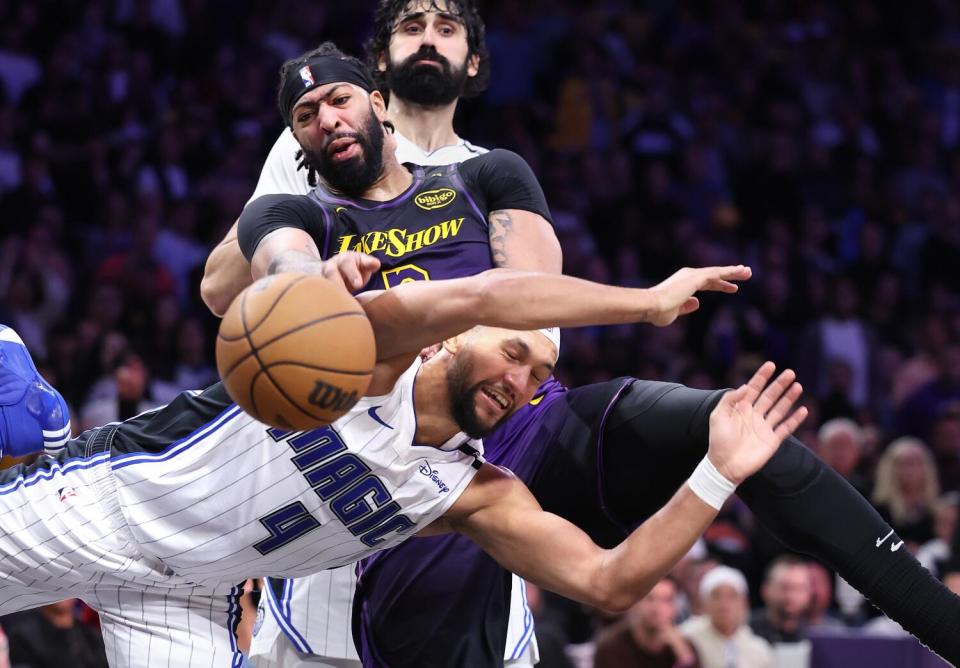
66 493
307 76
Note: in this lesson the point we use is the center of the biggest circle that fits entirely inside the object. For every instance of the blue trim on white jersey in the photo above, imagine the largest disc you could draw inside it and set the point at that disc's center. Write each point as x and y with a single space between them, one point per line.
527 625
233 620
283 621
175 448
56 468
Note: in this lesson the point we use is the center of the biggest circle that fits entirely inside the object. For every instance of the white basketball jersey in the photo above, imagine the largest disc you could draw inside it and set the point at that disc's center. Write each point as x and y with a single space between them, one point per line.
238 498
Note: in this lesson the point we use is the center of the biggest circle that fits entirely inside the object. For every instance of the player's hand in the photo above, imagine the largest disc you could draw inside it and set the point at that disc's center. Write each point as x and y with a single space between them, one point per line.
351 269
675 296
750 423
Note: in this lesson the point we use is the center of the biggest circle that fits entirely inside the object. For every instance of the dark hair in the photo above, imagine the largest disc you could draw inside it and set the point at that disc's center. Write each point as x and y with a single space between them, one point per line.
326 49
783 560
384 23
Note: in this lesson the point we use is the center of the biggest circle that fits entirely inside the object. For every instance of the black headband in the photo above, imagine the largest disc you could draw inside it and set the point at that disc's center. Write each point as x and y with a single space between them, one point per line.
318 71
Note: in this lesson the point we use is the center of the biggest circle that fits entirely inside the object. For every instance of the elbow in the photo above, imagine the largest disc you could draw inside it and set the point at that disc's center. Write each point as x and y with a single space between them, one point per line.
616 602
617 593
216 300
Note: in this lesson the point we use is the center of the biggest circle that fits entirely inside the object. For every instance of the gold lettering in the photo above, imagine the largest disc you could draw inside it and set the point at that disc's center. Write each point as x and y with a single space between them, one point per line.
345 243
397 240
431 235
377 241
451 227
415 242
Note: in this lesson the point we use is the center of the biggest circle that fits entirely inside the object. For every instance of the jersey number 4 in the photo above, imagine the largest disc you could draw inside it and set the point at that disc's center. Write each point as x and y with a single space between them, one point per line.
286 525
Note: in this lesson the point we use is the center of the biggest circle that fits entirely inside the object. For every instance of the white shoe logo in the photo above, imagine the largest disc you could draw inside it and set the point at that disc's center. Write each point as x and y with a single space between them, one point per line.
893 546
880 540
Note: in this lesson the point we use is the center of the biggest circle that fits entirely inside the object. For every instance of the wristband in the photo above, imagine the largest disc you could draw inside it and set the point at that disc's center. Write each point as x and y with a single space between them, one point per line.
710 485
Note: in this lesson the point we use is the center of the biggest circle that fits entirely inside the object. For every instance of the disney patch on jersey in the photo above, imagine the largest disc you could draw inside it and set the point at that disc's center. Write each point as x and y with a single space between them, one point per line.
427 470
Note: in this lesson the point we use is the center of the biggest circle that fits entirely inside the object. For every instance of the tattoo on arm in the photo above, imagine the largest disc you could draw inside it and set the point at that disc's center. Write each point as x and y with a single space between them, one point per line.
295 261
501 226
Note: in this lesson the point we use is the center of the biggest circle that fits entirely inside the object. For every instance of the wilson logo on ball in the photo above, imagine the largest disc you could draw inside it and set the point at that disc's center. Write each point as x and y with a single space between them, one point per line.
328 397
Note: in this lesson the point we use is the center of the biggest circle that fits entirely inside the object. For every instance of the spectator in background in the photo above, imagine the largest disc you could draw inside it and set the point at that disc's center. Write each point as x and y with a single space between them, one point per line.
930 336
951 576
821 599
721 636
646 636
920 410
935 553
786 595
688 573
945 442
52 637
840 447
192 368
838 356
906 490
124 388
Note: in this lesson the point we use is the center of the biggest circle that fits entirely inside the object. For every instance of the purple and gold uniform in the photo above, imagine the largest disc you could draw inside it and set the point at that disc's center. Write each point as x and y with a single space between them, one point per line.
435 229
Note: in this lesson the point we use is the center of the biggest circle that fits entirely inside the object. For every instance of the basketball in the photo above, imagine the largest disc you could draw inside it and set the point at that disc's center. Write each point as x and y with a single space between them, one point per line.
295 351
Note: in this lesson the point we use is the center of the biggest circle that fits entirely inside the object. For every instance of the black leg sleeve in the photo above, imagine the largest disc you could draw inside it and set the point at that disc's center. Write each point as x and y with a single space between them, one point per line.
659 431
814 510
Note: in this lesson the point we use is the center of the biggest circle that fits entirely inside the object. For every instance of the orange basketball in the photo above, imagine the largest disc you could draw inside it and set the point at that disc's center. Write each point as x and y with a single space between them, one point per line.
295 351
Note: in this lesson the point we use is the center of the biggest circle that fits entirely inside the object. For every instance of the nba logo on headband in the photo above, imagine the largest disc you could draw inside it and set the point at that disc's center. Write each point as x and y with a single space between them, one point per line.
306 75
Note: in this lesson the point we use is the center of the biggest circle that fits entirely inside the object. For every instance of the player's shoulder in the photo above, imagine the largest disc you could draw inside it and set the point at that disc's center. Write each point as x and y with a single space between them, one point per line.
492 487
474 148
497 161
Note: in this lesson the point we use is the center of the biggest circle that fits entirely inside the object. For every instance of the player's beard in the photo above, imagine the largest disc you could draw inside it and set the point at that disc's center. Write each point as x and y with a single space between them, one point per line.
423 84
352 177
463 397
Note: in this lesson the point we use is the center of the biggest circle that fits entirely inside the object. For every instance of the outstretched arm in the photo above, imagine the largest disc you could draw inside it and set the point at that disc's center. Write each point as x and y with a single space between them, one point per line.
414 315
227 271
501 515
225 275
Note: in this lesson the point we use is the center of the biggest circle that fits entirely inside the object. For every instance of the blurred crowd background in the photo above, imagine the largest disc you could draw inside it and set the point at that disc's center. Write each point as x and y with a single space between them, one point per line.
816 141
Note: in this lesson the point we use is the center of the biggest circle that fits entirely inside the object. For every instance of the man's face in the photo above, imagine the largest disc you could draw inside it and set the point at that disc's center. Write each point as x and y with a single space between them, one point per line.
821 589
428 59
841 452
726 607
656 610
788 590
340 132
493 373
